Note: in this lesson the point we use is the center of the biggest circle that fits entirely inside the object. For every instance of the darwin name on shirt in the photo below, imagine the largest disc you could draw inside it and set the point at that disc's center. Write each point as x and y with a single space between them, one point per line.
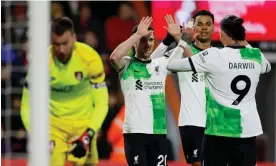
246 65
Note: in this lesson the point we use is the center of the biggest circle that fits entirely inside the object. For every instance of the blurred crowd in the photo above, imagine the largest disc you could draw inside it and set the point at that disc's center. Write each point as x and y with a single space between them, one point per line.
103 32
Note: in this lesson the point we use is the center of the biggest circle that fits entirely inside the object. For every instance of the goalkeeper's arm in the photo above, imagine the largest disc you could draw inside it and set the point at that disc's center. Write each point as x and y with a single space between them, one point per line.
99 93
100 99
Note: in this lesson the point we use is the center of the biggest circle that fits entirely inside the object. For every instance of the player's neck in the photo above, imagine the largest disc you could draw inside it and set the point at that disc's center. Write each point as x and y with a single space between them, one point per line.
203 46
64 59
234 43
142 58
231 42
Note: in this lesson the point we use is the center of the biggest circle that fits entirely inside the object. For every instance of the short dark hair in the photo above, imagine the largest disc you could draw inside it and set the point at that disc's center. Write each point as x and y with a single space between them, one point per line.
204 13
61 25
134 30
232 26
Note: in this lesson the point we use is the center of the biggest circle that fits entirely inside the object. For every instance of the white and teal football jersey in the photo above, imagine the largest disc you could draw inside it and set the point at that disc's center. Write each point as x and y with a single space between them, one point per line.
232 76
192 90
143 86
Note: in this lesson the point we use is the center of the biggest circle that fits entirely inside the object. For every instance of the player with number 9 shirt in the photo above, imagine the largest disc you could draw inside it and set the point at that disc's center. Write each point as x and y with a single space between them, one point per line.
232 75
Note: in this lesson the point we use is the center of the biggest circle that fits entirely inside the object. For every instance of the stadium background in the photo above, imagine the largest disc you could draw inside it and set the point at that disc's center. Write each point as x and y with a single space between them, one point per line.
103 26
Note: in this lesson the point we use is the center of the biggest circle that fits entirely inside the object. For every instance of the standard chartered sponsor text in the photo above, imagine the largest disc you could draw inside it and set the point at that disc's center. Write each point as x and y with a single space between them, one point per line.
153 85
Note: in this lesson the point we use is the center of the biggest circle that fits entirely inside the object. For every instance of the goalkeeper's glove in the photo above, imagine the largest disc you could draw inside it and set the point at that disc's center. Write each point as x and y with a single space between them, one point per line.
82 144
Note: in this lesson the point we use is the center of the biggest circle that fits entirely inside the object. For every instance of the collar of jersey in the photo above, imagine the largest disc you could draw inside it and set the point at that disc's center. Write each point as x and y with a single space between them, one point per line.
193 44
236 47
139 60
60 64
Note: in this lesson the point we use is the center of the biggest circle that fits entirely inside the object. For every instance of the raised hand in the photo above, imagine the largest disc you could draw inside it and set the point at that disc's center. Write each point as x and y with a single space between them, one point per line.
172 28
187 32
142 29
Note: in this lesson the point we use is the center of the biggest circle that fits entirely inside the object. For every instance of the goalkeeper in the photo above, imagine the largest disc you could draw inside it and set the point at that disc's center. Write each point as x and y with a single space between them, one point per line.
78 101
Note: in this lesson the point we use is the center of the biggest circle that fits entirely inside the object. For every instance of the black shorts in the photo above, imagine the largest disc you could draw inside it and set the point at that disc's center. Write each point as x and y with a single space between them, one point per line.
146 149
218 151
191 138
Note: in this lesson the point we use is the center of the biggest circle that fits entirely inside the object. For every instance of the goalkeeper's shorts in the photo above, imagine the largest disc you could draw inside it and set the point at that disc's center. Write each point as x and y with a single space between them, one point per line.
61 133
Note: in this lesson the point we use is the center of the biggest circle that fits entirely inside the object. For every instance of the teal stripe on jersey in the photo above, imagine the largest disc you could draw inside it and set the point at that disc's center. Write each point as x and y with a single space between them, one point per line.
194 50
159 113
221 120
251 54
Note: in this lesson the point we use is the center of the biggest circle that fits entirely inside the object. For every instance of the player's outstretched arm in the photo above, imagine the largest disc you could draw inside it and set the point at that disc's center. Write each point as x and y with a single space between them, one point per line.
116 58
175 31
176 64
180 65
201 62
159 51
183 38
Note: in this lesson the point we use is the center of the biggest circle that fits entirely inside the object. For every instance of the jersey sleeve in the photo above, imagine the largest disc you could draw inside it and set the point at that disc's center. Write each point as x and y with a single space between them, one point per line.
265 66
202 62
99 91
96 69
159 51
161 65
124 68
168 53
